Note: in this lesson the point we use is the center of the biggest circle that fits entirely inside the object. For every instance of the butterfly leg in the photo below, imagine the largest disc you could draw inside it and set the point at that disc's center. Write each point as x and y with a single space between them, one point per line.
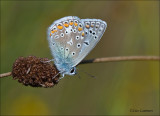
59 78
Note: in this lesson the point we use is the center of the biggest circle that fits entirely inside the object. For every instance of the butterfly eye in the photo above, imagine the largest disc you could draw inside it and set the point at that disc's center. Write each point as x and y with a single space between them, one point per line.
72 71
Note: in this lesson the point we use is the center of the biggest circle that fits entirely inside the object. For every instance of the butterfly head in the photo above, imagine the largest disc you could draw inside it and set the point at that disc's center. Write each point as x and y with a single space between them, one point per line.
70 71
65 69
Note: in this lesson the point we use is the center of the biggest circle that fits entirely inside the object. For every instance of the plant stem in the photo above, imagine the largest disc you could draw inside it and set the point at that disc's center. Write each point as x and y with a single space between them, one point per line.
121 58
5 74
109 59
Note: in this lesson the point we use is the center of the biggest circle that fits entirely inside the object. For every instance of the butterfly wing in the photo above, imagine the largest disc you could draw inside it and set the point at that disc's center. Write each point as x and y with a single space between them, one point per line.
93 30
71 39
61 38
74 43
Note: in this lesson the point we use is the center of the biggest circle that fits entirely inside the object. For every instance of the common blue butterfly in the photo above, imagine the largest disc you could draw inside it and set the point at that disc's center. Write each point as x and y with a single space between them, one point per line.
71 39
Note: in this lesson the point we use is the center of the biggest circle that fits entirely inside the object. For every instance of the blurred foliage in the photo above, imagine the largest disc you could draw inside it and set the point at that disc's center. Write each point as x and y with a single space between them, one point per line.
32 105
133 29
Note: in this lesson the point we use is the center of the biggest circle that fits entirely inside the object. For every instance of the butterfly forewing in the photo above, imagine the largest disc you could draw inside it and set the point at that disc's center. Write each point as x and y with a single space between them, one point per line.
60 36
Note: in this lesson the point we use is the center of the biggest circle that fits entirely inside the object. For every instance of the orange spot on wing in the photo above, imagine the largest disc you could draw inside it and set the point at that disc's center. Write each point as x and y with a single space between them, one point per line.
83 34
75 24
79 28
60 27
53 31
71 23
92 25
66 24
87 26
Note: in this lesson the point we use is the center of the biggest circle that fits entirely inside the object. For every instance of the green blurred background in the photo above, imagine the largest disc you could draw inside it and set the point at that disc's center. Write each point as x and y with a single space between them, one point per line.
133 29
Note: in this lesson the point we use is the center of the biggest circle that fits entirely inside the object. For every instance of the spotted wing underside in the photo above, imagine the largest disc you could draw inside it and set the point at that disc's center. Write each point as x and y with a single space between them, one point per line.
71 39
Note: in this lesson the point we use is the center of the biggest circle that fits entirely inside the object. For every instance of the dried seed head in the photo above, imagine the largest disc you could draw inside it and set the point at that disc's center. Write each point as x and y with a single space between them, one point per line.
36 72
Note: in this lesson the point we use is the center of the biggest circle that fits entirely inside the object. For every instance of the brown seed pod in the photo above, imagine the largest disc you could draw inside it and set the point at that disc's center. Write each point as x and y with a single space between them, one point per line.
36 72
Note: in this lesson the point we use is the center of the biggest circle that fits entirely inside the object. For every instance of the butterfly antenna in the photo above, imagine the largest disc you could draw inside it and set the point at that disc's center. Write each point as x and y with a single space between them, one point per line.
86 73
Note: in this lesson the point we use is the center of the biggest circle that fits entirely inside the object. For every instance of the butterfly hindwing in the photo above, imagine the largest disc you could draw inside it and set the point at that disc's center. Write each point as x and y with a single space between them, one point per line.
93 31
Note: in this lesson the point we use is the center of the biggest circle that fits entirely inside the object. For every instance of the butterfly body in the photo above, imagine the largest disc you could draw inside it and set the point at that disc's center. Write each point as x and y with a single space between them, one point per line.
66 68
71 39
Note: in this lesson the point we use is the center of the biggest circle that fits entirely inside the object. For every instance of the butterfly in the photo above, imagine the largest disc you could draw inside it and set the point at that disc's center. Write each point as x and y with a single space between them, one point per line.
71 39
